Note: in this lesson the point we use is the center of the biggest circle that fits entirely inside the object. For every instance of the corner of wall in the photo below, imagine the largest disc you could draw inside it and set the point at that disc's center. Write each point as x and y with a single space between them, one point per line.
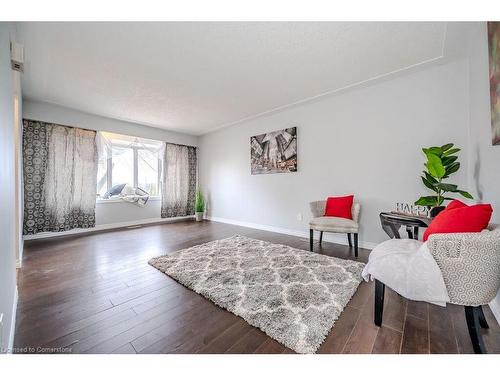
8 293
10 345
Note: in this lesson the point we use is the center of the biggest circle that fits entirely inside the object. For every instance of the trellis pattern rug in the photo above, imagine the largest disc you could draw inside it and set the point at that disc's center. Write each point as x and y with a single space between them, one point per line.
293 295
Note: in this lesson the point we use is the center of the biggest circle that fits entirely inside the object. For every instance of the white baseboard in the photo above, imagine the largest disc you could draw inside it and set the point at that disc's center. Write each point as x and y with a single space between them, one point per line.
328 237
495 308
10 345
19 261
102 227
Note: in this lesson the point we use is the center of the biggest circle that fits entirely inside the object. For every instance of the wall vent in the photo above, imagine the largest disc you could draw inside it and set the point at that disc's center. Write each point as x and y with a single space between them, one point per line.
17 66
17 57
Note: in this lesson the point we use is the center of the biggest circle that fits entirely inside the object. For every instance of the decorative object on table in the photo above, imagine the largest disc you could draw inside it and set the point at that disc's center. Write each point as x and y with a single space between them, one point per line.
458 217
199 205
494 58
333 224
294 296
274 152
412 210
468 265
441 164
127 193
392 221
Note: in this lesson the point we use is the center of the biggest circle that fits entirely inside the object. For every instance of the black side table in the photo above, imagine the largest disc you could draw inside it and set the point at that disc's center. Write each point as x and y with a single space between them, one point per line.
391 222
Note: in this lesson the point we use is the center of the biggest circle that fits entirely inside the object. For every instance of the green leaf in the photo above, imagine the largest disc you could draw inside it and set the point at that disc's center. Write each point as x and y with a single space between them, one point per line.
433 151
451 151
446 187
447 160
434 166
446 147
452 168
429 184
436 150
431 179
427 201
199 201
465 194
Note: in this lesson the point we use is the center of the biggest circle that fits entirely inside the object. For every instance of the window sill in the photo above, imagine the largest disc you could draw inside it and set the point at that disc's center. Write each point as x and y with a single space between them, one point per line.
108 201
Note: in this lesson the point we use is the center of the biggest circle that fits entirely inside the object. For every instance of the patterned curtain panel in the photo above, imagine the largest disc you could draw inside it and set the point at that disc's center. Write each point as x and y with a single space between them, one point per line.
178 185
60 171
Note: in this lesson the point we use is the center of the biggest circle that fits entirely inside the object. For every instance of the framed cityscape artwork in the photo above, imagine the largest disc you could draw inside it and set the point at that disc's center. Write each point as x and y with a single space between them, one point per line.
274 152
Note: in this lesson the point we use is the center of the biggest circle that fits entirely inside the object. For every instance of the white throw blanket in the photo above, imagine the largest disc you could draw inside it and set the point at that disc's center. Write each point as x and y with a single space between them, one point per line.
407 267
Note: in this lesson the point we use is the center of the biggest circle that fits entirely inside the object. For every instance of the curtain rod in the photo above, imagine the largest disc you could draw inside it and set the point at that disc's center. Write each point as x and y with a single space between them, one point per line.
78 127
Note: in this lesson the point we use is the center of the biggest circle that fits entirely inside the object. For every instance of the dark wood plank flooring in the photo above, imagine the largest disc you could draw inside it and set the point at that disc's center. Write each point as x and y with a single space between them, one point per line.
97 294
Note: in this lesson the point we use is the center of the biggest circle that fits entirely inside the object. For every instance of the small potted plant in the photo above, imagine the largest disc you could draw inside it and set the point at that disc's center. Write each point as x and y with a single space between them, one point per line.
441 163
199 205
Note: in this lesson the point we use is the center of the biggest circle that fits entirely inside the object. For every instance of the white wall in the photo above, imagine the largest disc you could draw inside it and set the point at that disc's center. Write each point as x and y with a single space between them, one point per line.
18 166
116 212
484 157
66 116
7 182
366 141
119 211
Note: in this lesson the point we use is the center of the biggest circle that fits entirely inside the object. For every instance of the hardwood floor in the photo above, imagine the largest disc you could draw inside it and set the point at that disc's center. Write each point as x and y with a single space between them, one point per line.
97 294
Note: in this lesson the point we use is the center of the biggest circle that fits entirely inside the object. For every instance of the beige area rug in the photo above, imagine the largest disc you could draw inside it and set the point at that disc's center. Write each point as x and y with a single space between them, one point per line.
293 295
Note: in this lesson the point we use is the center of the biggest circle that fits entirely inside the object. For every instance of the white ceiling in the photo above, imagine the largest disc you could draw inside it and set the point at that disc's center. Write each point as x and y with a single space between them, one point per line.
197 77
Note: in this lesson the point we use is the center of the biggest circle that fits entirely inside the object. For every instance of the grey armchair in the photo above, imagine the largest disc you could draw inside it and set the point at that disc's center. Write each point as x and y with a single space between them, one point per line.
333 224
470 265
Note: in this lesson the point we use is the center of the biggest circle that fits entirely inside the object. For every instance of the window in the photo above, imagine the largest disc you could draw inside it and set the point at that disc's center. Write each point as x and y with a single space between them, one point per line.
122 163
129 160
148 172
102 181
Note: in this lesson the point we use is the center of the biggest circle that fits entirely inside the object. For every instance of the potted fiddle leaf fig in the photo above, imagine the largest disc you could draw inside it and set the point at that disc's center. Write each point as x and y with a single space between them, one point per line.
441 164
199 205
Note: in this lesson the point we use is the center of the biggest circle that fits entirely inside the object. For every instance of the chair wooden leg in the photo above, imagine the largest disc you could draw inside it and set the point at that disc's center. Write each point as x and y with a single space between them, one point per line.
482 319
472 317
356 245
320 237
379 302
349 239
311 238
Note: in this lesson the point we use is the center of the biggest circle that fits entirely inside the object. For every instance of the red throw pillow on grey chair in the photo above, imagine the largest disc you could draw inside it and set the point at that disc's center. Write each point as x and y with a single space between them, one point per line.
455 204
460 219
339 206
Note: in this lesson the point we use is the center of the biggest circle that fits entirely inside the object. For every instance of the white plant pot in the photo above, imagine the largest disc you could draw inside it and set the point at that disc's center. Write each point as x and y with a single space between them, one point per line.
199 216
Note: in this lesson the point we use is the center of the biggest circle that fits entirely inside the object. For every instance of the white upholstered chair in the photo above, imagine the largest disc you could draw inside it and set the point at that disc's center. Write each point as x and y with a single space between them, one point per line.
333 224
470 266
